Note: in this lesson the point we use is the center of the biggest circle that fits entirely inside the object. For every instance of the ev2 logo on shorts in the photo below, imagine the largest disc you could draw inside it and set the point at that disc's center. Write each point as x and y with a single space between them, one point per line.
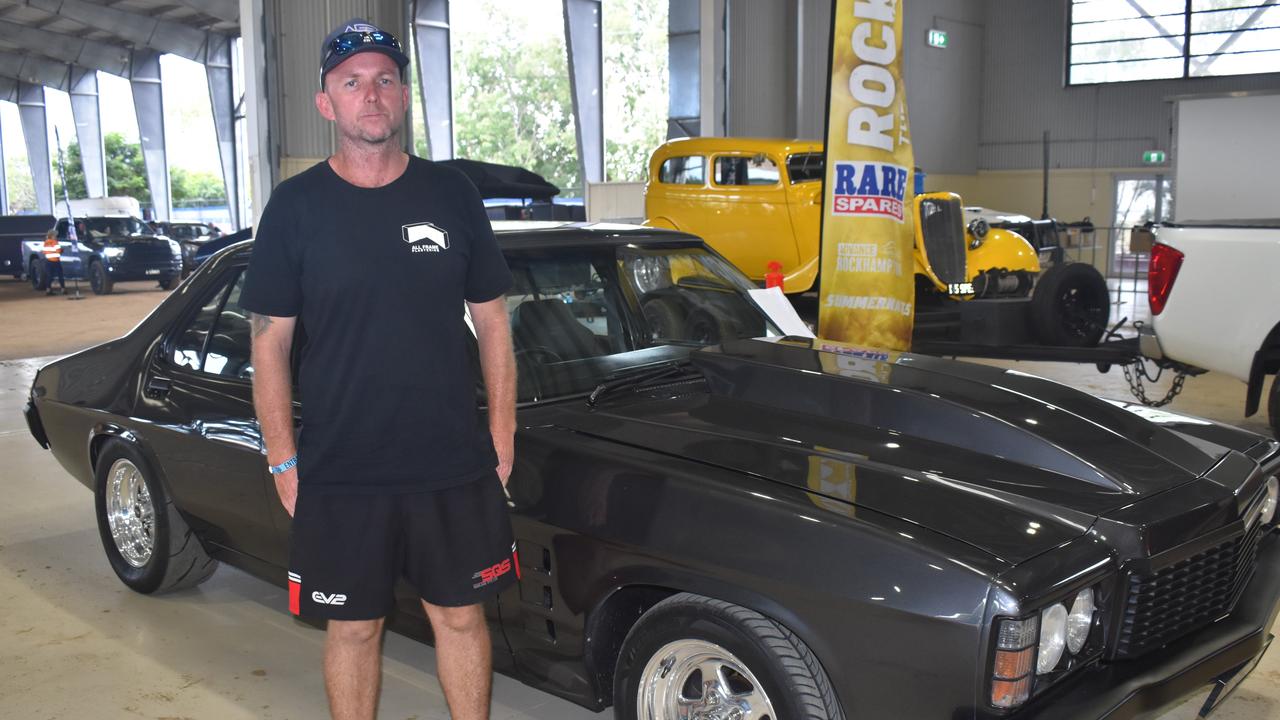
334 599
425 237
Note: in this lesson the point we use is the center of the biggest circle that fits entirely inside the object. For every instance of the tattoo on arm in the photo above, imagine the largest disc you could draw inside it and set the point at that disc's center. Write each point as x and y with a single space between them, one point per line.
260 323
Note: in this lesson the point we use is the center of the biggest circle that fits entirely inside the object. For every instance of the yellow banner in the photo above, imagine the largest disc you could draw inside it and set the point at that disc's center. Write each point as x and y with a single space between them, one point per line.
867 292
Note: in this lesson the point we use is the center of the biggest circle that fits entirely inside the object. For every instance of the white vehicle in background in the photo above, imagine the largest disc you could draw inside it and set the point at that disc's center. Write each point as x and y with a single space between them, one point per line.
1214 291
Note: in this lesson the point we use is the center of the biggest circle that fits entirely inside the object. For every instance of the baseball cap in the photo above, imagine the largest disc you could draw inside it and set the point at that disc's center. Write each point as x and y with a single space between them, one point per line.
355 36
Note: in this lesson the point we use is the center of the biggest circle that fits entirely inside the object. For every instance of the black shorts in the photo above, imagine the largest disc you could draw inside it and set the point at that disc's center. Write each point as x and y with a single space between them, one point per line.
347 550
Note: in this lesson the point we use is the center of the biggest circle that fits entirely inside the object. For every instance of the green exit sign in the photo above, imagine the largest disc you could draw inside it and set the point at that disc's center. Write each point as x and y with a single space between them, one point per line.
938 38
1153 157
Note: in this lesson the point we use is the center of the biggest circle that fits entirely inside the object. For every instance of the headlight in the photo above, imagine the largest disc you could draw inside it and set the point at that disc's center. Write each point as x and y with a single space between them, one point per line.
175 247
1273 496
1053 637
1080 621
113 252
978 228
651 273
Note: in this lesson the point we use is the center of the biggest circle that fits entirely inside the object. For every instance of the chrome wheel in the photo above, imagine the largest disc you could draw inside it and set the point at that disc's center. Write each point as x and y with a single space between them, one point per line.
699 680
130 514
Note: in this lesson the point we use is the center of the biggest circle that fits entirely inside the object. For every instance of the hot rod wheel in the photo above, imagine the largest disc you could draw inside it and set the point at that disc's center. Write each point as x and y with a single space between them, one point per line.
149 545
1070 306
693 656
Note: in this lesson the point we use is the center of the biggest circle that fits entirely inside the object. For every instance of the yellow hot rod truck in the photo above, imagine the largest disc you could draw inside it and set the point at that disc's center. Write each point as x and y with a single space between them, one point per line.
759 200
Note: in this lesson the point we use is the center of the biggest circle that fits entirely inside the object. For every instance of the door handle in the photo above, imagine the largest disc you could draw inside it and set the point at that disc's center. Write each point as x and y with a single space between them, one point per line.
157 386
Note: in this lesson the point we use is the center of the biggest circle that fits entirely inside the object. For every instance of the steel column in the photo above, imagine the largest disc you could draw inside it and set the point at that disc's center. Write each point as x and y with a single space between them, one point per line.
259 148
35 129
222 99
85 110
4 167
684 68
435 79
148 103
582 27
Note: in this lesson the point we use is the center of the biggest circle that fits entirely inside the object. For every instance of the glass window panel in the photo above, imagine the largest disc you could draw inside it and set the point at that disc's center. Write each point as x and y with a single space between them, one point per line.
683 171
1095 10
744 170
186 351
1232 19
1126 71
229 346
1127 50
806 167
1198 5
1170 25
1236 64
1244 41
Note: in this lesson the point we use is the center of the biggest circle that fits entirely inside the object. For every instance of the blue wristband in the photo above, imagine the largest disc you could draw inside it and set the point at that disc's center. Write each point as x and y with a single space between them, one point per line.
284 466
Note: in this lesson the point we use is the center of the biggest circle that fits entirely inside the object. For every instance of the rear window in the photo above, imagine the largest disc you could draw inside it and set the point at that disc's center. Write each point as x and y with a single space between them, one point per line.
684 171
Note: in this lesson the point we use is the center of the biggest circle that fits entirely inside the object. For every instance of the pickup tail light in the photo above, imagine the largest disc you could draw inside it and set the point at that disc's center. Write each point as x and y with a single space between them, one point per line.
1165 264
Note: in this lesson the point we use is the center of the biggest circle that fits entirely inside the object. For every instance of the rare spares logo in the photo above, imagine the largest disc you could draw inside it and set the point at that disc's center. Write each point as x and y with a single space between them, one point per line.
869 188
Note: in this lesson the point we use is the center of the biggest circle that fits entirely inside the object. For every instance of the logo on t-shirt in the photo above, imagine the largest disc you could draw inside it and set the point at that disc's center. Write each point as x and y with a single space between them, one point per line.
425 237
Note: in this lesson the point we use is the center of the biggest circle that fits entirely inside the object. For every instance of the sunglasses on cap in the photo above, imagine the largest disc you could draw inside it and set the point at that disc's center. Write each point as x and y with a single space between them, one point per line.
346 42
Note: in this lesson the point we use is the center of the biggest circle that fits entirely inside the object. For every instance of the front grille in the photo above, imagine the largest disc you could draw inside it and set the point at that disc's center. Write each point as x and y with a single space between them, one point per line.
942 225
146 252
1186 595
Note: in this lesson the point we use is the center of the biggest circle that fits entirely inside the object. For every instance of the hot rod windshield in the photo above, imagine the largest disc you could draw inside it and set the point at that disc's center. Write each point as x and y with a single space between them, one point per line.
579 315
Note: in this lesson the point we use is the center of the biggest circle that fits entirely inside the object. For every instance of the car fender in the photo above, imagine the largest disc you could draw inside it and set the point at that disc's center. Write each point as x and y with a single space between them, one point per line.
1003 249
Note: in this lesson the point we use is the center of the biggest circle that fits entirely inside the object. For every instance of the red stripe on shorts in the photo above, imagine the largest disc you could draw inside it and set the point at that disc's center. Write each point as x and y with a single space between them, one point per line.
295 597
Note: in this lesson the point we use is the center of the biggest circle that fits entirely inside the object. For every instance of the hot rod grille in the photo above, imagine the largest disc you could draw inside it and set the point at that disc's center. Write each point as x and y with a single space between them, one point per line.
1187 595
942 225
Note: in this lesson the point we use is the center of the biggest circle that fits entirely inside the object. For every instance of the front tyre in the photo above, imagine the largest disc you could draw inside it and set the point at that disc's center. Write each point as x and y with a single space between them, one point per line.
692 656
149 545
99 280
1273 406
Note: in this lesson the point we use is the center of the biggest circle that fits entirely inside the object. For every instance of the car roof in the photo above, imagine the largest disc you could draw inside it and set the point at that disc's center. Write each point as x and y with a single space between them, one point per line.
513 234
692 145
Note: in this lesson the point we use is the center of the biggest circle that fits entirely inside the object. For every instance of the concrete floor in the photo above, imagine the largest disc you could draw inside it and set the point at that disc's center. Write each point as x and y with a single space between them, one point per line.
74 643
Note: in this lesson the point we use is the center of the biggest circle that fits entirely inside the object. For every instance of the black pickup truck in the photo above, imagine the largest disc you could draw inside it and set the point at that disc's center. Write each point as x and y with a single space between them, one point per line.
110 250
16 231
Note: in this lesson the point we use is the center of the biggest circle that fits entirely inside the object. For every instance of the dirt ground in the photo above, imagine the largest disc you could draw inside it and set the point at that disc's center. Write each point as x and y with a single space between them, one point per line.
33 324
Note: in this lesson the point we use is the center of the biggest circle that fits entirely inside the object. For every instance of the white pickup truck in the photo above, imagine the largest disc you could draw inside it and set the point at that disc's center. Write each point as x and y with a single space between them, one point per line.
1215 304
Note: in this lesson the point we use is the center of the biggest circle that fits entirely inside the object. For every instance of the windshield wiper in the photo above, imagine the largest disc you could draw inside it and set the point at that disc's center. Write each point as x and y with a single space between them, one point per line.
637 377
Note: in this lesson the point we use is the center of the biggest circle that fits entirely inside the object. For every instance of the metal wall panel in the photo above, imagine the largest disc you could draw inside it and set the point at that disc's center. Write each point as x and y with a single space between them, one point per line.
1093 126
761 68
814 33
944 85
300 28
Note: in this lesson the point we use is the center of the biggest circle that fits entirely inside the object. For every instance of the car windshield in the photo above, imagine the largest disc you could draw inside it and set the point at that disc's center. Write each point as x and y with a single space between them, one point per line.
579 315
101 227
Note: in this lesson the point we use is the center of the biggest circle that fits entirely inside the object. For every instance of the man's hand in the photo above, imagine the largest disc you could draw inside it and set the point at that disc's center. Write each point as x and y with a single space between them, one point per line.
287 489
504 444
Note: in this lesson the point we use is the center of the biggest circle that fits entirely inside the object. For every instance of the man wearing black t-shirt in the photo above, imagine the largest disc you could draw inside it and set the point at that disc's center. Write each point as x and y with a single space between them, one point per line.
376 253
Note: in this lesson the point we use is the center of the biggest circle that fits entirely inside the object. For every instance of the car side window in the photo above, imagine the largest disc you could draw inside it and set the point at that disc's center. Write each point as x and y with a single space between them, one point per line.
189 348
744 170
229 346
683 171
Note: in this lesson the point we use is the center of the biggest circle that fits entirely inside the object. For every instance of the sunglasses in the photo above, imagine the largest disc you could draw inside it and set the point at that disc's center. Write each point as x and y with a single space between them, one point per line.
345 43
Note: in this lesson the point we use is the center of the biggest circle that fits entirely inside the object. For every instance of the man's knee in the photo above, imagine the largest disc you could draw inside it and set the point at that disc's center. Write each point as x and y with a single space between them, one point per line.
355 632
455 620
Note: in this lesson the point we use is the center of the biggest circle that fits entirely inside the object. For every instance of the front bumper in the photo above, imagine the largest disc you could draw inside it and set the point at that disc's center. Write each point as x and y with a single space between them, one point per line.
1134 688
34 425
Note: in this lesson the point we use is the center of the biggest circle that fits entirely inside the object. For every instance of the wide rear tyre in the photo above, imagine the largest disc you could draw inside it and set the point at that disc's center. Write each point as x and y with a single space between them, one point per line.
1070 306
149 545
692 656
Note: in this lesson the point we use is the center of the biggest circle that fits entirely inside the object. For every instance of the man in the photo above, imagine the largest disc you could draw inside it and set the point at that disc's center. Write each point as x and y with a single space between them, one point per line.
374 253
52 250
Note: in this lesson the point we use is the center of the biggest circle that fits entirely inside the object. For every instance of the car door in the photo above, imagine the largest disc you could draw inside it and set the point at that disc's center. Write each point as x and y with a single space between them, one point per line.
753 219
198 388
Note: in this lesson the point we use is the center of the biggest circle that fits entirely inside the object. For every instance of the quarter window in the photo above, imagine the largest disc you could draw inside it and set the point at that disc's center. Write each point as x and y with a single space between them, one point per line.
683 171
217 340
743 170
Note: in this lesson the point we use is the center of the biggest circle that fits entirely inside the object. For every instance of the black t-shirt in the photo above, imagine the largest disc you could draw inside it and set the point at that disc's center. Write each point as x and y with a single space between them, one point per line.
378 277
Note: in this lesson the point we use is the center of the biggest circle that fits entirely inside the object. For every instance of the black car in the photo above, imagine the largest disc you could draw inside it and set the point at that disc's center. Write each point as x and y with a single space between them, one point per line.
714 526
108 250
192 236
